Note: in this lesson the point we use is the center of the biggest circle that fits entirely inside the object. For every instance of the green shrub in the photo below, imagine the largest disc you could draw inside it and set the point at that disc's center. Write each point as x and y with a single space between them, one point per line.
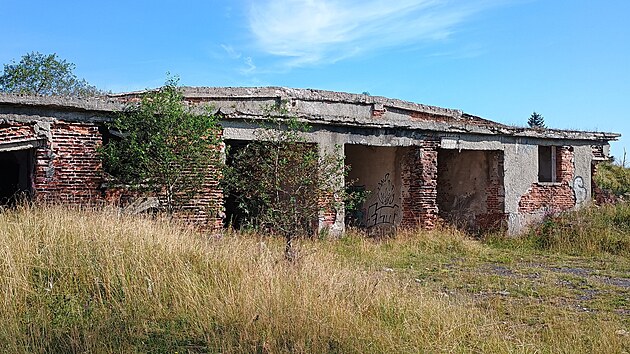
592 230
613 178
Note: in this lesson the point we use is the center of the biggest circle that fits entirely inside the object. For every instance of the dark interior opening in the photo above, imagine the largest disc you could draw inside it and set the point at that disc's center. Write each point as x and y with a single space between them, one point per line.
16 171
234 216
545 164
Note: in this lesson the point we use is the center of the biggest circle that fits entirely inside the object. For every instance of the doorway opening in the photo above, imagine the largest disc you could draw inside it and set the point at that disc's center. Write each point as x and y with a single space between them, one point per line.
234 216
470 190
16 175
375 172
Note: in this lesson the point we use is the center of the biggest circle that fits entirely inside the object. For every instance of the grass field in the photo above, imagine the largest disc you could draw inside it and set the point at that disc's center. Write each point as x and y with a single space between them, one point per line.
87 281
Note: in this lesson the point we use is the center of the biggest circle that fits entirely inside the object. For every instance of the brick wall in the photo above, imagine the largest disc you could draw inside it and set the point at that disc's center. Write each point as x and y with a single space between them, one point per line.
553 197
328 213
495 216
67 168
419 179
10 133
205 210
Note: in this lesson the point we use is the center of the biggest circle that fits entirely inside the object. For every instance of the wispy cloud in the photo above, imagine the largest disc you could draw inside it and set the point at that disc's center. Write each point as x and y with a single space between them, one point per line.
249 62
310 32
231 52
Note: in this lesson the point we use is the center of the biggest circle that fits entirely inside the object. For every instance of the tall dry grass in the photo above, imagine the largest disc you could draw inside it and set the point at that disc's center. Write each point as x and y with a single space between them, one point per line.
590 231
97 281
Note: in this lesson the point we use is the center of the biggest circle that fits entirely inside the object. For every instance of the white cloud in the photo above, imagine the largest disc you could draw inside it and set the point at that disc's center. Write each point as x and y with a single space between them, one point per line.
315 31
233 54
249 62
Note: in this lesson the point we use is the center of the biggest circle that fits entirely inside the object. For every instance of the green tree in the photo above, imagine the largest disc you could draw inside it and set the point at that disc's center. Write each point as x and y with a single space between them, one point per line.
164 147
282 183
536 121
45 75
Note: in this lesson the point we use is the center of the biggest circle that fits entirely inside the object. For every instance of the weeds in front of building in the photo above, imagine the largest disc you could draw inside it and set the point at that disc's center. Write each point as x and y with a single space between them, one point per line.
99 281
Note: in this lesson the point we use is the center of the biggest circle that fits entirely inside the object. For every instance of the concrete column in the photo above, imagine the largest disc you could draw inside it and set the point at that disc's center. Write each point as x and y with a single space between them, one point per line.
333 220
520 167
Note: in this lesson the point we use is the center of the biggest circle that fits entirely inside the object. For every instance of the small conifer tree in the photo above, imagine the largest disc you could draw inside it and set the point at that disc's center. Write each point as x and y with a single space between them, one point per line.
536 120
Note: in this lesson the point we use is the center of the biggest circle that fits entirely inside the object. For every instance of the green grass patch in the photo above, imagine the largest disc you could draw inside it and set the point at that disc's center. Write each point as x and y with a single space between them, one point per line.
590 231
613 178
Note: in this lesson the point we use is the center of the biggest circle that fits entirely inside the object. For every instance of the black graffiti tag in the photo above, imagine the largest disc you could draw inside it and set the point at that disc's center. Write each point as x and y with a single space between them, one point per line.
384 210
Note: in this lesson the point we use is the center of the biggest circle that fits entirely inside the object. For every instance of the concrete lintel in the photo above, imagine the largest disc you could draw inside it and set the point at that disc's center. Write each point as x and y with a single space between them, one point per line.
21 145
461 144
485 142
31 114
254 133
446 128
233 130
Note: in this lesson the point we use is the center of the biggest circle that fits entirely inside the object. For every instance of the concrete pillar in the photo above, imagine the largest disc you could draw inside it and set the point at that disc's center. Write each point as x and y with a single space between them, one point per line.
331 219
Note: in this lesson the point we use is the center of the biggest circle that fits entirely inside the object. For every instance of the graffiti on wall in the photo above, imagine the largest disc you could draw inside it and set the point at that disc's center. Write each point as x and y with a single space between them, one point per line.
579 190
384 210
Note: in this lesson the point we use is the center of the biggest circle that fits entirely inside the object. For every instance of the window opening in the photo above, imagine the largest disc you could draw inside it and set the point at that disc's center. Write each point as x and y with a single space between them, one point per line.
547 162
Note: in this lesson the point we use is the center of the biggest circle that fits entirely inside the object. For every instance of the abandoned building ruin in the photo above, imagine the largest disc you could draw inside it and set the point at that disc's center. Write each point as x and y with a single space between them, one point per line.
421 164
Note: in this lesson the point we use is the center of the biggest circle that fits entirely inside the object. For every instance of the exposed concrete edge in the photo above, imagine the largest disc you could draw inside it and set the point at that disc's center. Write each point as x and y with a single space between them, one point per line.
284 93
22 144
102 104
443 127
460 122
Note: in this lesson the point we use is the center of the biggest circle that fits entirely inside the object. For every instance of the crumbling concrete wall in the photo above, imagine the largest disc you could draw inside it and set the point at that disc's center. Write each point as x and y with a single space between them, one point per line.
470 188
528 200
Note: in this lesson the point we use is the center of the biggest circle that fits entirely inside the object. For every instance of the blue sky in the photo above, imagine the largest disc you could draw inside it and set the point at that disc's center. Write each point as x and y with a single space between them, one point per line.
499 59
